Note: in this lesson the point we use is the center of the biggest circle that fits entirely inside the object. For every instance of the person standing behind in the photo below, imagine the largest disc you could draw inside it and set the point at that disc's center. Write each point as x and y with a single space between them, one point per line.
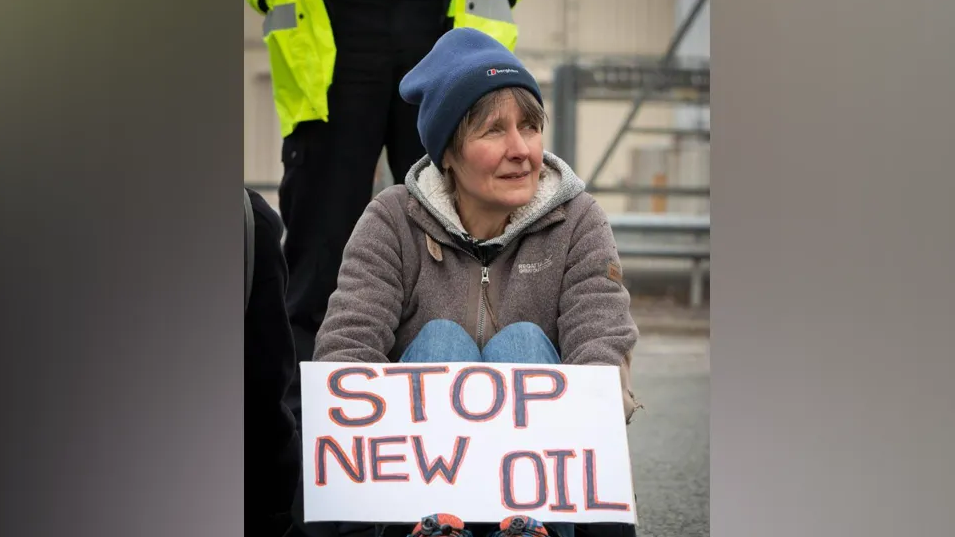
272 446
336 66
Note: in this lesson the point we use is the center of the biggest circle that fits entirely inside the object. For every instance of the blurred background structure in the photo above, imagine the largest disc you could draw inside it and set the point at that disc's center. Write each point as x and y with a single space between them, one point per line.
626 88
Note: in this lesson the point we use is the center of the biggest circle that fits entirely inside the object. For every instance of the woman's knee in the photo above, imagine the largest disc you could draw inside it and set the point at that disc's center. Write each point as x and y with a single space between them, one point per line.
521 342
441 340
523 329
442 328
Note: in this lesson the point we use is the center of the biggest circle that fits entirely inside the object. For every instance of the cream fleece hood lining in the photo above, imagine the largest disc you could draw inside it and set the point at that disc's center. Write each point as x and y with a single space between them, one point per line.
557 185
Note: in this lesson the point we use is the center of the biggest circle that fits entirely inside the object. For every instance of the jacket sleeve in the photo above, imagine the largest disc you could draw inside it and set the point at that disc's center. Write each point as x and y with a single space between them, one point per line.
260 6
364 311
594 320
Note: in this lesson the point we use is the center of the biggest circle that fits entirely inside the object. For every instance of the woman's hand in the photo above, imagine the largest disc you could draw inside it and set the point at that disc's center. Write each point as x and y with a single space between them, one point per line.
630 403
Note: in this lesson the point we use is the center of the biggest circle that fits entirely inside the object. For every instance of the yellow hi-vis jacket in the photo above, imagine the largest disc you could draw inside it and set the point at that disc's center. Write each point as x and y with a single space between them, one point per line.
302 50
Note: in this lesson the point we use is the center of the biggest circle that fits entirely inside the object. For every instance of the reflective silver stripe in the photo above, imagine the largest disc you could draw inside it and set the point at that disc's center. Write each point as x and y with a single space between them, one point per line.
281 17
498 10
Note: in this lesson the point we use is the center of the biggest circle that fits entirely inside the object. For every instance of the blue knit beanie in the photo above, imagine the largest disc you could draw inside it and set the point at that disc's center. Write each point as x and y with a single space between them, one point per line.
464 65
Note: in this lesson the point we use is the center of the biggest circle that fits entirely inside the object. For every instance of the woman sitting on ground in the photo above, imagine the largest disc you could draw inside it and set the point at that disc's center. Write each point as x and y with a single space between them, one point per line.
491 251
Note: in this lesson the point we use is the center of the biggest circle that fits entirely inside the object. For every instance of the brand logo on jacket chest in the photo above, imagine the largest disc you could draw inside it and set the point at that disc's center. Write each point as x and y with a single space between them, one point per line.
534 268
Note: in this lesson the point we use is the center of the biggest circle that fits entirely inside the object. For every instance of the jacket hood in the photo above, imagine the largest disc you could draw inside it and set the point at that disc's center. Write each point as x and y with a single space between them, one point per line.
558 184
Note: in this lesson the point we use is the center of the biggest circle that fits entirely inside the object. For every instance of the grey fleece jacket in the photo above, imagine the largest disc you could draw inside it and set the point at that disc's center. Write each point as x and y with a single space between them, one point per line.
405 265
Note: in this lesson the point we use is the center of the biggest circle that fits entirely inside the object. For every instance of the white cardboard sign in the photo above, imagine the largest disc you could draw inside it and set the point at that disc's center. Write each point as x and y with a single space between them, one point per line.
394 442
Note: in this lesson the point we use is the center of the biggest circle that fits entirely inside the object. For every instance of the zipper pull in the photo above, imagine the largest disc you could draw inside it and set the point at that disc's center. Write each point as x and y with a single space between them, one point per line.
484 276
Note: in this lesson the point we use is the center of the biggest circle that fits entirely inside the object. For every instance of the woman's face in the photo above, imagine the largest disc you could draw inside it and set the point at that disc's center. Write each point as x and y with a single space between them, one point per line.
499 165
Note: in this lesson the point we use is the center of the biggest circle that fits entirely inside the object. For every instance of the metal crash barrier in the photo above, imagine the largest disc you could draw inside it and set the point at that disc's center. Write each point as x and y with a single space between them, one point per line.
631 230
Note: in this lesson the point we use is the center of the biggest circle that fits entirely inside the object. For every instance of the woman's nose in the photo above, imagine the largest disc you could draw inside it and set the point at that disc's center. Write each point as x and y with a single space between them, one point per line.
516 145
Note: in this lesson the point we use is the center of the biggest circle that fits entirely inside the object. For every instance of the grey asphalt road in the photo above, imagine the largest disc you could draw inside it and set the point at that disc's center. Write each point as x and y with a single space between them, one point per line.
670 439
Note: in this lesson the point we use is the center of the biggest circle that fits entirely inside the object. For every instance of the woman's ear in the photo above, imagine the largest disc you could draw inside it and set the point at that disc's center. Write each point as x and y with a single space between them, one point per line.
448 159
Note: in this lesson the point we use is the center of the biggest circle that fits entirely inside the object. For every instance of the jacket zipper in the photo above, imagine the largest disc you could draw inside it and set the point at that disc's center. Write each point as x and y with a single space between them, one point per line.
485 282
482 307
482 311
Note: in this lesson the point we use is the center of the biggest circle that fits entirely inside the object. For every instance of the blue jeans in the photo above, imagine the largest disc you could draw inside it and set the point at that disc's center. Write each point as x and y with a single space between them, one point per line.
446 341
441 340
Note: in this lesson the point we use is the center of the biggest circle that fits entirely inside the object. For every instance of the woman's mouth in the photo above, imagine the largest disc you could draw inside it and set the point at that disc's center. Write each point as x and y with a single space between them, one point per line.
518 175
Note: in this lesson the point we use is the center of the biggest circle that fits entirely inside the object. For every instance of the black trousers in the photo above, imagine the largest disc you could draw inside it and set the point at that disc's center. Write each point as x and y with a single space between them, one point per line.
328 181
329 167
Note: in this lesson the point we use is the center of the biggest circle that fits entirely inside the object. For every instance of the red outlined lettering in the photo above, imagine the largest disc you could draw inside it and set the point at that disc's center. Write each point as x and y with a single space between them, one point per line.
377 459
590 487
507 481
416 387
430 470
457 387
560 457
521 396
355 471
335 387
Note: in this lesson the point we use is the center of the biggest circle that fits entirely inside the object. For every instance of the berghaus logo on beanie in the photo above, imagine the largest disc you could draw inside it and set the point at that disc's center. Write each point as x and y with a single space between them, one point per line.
492 72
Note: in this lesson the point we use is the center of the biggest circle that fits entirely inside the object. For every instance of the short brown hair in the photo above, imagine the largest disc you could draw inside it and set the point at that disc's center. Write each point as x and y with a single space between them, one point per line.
486 105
